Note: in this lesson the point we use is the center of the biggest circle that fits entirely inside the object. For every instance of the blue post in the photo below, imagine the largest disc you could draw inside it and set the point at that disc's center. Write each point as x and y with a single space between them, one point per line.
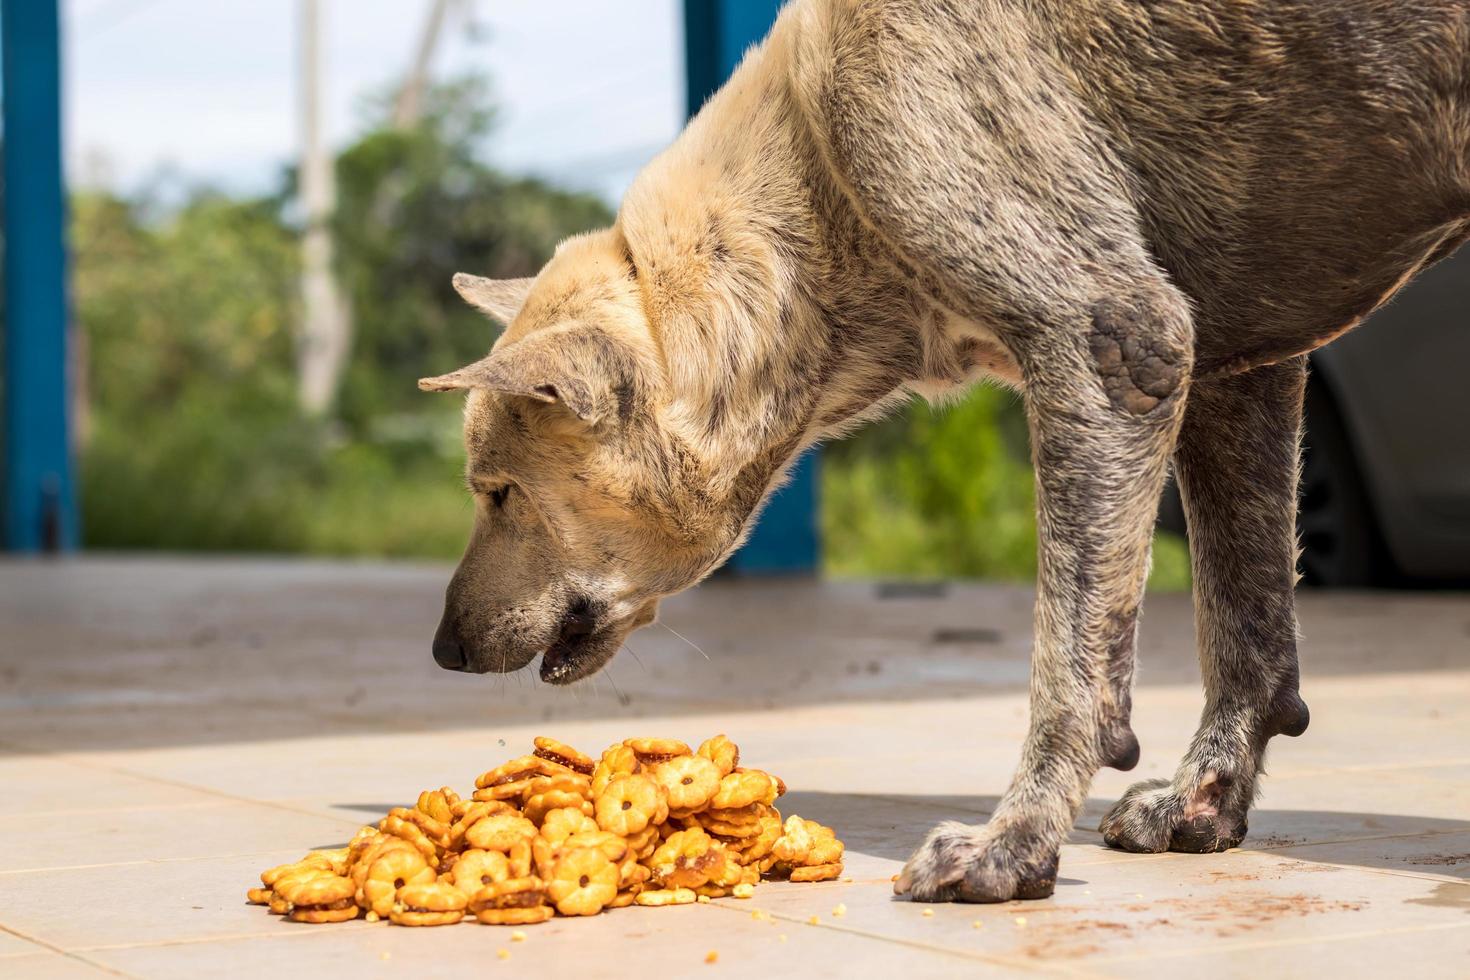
716 34
39 503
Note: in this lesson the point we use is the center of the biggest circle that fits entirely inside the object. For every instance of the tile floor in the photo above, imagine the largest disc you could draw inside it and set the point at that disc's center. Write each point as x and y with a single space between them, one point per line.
169 728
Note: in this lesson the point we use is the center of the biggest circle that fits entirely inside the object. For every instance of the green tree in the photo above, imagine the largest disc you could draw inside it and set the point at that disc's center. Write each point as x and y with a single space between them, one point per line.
933 493
945 492
414 207
196 440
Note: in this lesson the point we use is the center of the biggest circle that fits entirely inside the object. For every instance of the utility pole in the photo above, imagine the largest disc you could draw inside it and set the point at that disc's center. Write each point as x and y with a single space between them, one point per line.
326 329
409 105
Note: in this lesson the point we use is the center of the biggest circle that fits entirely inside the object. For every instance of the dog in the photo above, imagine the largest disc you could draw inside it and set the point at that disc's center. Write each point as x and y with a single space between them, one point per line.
1141 214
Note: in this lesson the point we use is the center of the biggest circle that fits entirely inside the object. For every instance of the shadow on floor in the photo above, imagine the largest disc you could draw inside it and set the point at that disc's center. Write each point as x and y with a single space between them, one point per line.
890 826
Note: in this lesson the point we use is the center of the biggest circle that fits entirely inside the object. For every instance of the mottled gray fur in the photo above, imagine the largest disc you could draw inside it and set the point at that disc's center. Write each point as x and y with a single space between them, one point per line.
1142 215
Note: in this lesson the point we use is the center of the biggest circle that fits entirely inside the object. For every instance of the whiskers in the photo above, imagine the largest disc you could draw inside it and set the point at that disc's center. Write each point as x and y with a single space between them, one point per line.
686 639
636 659
622 698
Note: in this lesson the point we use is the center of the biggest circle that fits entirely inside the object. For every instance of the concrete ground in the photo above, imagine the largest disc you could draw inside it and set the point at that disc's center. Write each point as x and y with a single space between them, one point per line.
169 728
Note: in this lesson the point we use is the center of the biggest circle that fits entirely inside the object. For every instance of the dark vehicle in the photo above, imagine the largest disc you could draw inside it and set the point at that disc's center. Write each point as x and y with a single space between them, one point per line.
1385 494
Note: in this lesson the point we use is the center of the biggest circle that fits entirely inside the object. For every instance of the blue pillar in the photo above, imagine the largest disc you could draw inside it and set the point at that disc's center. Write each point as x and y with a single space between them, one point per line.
716 34
39 503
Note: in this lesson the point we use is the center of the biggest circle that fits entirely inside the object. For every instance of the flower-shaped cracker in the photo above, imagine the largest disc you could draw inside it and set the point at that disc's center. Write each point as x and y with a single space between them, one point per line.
516 901
630 803
474 869
431 903
583 881
724 753
616 760
389 870
562 754
323 898
691 781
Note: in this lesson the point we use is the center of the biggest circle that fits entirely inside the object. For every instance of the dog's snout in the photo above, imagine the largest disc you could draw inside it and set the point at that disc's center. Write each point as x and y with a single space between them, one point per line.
448 651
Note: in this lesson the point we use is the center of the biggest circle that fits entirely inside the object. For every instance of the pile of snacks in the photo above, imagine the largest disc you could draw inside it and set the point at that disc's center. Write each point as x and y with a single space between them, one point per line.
652 823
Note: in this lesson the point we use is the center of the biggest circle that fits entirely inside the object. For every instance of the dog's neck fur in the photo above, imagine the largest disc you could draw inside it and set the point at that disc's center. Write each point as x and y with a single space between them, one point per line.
779 317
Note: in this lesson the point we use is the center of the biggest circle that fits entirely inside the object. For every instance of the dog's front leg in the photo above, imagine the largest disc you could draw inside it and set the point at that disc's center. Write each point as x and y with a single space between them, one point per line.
1105 393
985 170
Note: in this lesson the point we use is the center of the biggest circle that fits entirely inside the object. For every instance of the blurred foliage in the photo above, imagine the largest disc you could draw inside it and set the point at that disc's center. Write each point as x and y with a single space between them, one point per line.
942 492
194 439
200 303
414 207
933 492
193 435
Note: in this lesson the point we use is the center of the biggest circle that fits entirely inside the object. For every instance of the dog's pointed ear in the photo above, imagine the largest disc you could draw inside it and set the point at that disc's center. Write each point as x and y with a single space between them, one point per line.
499 298
545 366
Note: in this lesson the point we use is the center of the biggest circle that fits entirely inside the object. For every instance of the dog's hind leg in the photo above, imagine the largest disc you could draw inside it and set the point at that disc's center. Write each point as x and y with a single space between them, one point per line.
1237 469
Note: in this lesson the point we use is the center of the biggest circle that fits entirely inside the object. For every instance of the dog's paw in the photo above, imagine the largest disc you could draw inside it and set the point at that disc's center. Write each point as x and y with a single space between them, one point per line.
957 863
1153 817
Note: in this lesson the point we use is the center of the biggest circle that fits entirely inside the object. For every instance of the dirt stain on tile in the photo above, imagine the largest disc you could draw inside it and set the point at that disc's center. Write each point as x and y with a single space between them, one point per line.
1223 916
1439 860
1273 873
1242 912
1277 840
1069 940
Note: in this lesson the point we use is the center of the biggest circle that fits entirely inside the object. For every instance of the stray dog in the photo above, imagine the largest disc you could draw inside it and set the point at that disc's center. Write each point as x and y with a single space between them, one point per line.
1142 214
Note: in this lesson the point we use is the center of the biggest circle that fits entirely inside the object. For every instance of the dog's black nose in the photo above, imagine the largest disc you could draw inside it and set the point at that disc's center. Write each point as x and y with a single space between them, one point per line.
577 624
448 652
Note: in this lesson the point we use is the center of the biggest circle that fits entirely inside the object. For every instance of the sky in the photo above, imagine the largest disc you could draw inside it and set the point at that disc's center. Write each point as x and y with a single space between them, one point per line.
588 90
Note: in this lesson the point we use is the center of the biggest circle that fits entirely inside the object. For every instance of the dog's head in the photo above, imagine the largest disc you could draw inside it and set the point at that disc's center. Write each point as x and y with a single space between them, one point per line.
589 506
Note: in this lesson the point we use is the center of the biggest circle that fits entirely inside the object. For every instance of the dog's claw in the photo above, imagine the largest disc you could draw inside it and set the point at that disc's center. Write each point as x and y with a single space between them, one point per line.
957 863
1152 818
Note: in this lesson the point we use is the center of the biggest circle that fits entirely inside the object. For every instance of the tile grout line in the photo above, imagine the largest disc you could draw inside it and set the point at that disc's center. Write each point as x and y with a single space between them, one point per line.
1229 947
961 954
1395 873
43 944
149 861
1370 767
1273 849
84 763
1354 840
135 808
233 797
355 926
894 940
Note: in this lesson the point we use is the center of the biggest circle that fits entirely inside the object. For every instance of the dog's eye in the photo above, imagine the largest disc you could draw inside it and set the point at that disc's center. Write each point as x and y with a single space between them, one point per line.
497 495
